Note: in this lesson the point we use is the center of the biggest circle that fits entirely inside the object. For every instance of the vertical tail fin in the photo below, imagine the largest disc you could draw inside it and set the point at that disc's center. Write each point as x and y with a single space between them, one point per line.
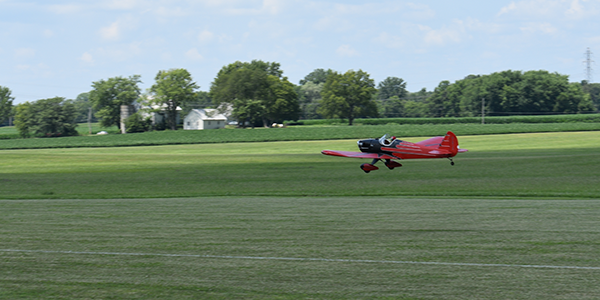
450 143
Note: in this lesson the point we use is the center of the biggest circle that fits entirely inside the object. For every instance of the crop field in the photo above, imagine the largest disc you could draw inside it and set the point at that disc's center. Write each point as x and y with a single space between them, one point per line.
515 218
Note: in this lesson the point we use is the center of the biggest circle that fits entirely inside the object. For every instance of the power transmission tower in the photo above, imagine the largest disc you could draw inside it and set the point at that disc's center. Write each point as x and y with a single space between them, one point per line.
588 66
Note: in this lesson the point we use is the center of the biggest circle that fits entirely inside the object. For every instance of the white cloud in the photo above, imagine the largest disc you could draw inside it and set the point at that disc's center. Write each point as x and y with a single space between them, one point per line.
87 58
122 4
346 51
65 8
120 52
48 33
111 32
272 7
24 53
205 36
573 9
531 8
578 11
40 69
442 36
169 12
166 56
116 29
545 28
508 9
193 54
390 41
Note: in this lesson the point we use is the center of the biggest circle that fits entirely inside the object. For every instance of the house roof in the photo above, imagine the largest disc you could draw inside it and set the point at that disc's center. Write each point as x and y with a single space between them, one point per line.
209 114
162 107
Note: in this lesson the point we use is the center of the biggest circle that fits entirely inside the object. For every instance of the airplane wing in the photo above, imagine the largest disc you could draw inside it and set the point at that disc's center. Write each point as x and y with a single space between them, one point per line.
358 154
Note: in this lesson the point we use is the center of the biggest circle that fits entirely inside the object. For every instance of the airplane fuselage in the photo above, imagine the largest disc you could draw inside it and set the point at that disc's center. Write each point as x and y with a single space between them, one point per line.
402 149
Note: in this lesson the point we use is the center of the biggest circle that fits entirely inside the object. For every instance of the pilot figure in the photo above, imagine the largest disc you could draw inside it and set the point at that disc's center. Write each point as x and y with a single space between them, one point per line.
388 142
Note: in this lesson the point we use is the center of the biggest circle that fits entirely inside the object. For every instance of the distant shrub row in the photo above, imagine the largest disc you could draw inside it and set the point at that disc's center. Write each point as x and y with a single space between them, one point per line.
293 133
579 118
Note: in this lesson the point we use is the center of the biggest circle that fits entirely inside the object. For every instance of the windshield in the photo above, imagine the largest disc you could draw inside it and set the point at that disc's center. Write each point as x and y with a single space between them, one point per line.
384 140
387 140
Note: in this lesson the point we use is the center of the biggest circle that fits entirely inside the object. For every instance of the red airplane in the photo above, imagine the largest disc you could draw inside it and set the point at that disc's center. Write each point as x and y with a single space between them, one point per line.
387 149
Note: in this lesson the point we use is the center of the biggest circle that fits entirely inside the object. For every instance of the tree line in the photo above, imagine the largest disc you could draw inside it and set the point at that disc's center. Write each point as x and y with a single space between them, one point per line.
257 94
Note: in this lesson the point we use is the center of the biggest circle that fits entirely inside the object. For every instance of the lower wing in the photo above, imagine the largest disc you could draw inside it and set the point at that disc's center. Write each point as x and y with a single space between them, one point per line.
358 154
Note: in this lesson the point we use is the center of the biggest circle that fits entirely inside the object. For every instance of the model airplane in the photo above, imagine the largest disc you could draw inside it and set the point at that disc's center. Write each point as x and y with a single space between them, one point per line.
387 149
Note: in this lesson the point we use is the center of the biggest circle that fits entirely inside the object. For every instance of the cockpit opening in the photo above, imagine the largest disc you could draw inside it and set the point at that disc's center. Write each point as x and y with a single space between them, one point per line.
386 140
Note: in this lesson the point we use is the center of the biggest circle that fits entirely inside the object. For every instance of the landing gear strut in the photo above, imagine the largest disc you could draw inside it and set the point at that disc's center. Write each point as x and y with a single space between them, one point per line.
451 162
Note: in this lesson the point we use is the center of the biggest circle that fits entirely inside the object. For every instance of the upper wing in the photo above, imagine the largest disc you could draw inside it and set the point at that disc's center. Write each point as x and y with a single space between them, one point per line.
358 154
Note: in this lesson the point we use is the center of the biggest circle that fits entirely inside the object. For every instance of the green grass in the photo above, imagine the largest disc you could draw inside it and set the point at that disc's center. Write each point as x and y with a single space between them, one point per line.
523 165
512 200
437 230
308 133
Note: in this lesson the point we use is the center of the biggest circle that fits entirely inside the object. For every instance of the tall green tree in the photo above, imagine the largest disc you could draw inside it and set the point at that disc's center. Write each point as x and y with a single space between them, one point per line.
255 91
509 92
202 100
173 89
107 96
46 118
390 87
6 103
392 107
348 96
592 89
82 105
438 101
309 97
390 93
415 104
317 76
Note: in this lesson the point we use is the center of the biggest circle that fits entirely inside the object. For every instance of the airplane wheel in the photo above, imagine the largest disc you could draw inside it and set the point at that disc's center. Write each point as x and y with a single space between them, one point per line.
452 163
392 164
368 168
362 167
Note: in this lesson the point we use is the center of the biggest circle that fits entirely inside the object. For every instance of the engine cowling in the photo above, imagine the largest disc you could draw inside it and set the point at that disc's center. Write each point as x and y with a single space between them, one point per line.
369 146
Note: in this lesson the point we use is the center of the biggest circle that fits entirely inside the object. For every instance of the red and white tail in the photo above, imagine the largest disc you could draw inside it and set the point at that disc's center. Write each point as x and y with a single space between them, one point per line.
450 143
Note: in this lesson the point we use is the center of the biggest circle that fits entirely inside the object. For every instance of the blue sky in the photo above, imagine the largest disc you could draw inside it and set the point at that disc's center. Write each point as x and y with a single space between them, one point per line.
58 48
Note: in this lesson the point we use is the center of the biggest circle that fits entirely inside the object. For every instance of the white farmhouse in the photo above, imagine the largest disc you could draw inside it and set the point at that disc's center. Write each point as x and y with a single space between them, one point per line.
199 119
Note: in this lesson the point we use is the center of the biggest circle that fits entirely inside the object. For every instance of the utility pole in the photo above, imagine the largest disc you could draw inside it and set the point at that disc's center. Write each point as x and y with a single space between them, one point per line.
90 120
588 66
482 110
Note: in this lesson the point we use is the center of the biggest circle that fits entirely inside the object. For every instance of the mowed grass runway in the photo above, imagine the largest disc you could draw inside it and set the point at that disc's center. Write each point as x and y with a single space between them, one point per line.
516 217
524 165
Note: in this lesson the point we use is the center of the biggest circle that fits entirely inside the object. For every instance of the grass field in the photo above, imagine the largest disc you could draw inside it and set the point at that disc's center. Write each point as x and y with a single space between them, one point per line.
523 165
300 248
515 218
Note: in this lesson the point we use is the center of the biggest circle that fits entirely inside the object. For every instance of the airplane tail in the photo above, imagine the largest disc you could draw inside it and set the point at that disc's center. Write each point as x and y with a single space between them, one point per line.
450 143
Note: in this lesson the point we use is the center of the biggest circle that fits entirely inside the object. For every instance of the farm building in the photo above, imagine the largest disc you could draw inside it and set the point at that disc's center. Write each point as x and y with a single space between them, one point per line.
199 119
157 114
